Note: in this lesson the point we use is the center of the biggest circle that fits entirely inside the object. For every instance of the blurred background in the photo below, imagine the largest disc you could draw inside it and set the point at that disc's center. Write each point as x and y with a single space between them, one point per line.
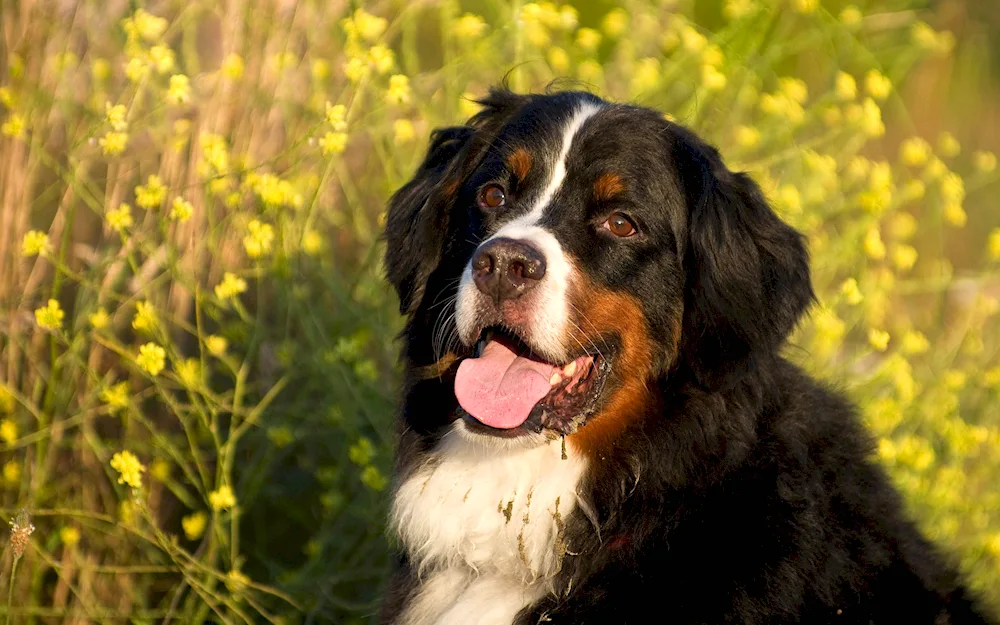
197 356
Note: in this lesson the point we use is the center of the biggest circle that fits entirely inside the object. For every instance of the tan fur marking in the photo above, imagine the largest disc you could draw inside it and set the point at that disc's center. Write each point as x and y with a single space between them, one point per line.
608 185
520 163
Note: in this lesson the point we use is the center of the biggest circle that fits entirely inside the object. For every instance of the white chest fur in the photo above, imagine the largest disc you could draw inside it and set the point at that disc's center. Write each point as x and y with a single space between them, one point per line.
485 528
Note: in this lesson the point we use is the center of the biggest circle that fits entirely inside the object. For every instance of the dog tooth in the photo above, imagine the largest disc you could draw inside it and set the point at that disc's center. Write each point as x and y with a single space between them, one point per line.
555 378
569 369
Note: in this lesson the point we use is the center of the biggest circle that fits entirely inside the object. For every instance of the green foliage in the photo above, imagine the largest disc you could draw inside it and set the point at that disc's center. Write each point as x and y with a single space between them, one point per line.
197 358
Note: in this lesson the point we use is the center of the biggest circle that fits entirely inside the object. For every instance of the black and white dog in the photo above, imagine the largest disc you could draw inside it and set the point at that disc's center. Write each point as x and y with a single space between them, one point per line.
597 426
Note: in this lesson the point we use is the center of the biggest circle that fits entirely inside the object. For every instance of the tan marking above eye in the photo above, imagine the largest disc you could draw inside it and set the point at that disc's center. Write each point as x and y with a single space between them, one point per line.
607 186
520 163
492 196
620 225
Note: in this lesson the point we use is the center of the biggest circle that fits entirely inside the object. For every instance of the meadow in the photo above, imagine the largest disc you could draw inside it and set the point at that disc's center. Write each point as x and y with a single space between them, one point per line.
197 346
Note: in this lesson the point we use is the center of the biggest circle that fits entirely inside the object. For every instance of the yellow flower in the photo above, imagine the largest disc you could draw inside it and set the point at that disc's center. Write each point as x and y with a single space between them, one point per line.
857 169
873 244
355 69
233 66
236 581
13 127
222 499
712 55
747 136
151 358
692 40
129 468
845 86
160 470
119 218
8 431
993 244
558 59
877 84
590 71
136 69
216 345
788 200
69 536
152 194
145 317
215 152
373 478
113 143
794 88
181 210
333 143
805 6
12 473
189 372
588 39
915 342
879 339
402 131
34 243
991 377
115 115
913 190
194 525
712 78
382 58
615 23
851 15
915 151
50 316
6 97
469 27
99 319
904 257
948 145
984 161
336 116
231 286
955 380
871 118
146 25
955 215
399 89
7 400
312 242
179 91
258 241
851 292
116 396
369 26
738 9
162 58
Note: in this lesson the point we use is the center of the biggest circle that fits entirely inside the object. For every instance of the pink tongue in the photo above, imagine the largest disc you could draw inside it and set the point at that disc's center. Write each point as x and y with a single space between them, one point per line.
500 388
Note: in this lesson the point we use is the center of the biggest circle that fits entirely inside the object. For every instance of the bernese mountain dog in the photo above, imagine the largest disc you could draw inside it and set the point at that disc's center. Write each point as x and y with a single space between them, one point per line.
596 422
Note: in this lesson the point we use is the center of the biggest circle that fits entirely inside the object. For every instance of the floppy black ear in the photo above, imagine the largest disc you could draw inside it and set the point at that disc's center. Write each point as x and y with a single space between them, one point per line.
747 272
417 222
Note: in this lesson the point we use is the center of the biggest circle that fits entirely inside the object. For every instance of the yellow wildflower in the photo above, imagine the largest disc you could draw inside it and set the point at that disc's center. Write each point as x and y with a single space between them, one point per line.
369 26
7 400
145 317
399 89
615 23
469 27
236 581
160 470
151 358
879 339
915 151
6 97
857 169
189 372
590 71
233 66
34 243
312 242
216 345
805 6
871 118
99 319
13 127
152 194
136 69
955 215
788 200
845 86
948 145
794 88
129 468
116 396
69 536
984 161
558 59
873 245
955 380
851 15
119 218
333 143
181 210
12 473
904 257
50 316
115 115
877 84
113 143
851 292
738 9
712 78
915 342
162 58
993 244
336 116
231 286
382 58
179 91
258 241
588 39
146 25
222 499
373 478
402 131
914 190
194 525
8 431
355 69
991 377
747 136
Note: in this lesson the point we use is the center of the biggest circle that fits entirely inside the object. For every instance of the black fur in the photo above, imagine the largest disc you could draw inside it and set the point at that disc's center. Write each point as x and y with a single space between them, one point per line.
746 492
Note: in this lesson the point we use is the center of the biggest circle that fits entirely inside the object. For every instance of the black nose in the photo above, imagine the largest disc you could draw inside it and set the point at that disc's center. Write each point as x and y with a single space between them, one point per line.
506 269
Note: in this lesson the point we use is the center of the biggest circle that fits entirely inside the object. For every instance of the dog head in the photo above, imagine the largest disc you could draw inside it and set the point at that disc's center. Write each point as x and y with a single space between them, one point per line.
569 254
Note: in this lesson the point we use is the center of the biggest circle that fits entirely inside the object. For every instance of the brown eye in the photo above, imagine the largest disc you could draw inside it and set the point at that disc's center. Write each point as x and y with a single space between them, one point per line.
492 196
620 225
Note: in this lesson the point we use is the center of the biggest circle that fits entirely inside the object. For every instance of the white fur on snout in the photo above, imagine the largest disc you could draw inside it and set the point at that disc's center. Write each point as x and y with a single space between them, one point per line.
549 312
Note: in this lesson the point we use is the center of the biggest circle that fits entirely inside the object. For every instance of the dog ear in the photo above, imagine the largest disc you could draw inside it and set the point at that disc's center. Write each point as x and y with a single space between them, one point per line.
417 220
747 272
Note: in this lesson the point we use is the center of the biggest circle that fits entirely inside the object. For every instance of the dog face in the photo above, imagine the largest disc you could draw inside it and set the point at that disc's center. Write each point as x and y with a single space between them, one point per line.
575 256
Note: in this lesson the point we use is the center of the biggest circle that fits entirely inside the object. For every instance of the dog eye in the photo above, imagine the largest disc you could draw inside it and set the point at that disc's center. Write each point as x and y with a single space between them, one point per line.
491 196
620 225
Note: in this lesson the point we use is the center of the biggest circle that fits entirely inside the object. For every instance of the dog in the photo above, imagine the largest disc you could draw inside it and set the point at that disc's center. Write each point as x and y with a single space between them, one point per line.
596 423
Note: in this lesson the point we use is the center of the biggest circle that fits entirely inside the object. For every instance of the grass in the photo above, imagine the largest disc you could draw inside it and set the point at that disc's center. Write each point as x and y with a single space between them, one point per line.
197 358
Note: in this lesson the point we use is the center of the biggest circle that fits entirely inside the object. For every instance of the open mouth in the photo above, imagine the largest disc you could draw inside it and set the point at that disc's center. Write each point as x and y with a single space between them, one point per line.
509 389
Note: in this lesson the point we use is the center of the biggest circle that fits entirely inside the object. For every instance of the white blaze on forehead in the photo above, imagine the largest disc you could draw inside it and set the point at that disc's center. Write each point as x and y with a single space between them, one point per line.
551 312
